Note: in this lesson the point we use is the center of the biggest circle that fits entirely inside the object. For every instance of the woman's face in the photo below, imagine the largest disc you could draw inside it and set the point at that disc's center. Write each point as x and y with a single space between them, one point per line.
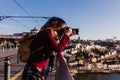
61 29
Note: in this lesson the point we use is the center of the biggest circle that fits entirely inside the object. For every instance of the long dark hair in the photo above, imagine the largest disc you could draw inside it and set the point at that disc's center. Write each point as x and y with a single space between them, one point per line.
53 22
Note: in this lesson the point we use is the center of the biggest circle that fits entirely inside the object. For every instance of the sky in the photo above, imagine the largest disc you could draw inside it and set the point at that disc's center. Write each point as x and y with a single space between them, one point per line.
96 19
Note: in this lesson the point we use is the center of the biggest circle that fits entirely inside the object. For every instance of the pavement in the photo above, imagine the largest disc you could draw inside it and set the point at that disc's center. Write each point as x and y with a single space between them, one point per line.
8 53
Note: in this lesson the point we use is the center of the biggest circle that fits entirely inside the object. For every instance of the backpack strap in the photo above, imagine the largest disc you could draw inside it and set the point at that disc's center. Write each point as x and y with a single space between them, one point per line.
37 49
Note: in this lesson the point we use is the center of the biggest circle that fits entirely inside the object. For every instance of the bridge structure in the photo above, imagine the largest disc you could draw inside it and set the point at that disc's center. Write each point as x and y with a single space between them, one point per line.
5 17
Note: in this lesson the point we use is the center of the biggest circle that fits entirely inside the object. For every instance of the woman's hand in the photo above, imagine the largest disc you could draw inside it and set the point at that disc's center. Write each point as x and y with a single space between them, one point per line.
69 32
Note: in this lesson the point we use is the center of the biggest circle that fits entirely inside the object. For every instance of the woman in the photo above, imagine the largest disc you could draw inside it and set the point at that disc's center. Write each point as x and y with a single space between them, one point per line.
43 44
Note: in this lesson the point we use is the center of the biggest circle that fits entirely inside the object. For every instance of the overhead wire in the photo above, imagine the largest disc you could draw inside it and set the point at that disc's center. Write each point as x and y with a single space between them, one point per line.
26 11
15 21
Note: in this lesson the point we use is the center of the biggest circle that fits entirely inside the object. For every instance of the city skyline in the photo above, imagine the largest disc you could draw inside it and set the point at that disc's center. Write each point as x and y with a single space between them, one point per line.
96 19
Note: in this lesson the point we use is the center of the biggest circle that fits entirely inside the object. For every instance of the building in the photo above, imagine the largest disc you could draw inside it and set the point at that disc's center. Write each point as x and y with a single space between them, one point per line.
19 35
34 31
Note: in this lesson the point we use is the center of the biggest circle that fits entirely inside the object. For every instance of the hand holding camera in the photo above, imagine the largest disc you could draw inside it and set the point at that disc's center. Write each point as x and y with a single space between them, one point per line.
68 32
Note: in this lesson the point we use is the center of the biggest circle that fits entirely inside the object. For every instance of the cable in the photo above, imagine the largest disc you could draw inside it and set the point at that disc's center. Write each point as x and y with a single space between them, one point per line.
25 11
4 16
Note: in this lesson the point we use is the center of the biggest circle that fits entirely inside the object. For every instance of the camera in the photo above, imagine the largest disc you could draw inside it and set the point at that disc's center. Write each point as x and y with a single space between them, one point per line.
75 30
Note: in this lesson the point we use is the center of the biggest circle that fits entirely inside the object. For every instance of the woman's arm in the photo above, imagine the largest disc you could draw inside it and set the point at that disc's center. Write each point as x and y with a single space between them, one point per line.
52 44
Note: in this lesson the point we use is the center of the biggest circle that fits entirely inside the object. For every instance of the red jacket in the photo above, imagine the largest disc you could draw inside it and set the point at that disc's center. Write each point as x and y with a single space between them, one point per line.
45 39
